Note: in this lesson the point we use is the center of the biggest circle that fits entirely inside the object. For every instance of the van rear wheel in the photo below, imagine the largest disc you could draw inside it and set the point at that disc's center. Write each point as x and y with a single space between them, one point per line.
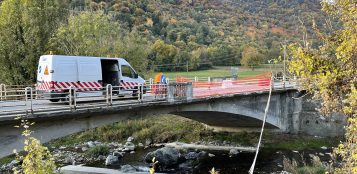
54 100
66 99
135 93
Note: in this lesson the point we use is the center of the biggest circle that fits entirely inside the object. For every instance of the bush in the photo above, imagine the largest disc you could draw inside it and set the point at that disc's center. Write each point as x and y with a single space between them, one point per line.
37 158
316 167
98 150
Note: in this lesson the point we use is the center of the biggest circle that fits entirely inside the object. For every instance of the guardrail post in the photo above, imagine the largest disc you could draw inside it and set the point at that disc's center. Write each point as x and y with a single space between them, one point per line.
209 79
72 98
36 92
196 79
109 94
189 91
284 79
4 92
171 92
1 91
27 95
141 92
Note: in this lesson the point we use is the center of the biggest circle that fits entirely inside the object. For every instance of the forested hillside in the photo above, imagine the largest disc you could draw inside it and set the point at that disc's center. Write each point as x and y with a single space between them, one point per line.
217 30
168 33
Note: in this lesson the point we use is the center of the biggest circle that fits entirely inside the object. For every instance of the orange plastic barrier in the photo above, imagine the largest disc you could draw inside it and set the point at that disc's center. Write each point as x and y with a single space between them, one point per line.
259 82
182 79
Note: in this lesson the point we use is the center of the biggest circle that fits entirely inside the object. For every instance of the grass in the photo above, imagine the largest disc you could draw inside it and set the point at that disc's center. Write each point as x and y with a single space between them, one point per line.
316 166
163 128
217 72
7 159
299 142
241 138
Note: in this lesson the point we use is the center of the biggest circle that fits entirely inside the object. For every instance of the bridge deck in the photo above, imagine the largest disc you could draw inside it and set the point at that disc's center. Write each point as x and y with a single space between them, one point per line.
9 109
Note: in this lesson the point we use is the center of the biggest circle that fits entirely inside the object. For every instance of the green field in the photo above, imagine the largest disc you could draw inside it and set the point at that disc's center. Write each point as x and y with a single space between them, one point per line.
220 72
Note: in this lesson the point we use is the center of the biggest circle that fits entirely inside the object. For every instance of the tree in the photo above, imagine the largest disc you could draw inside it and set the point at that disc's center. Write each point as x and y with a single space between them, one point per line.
26 26
87 34
163 53
94 34
136 50
197 56
250 57
330 73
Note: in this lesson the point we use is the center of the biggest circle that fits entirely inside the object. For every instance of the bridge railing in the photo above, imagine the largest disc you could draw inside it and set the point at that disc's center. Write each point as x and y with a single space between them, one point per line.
72 98
179 91
29 100
285 82
13 92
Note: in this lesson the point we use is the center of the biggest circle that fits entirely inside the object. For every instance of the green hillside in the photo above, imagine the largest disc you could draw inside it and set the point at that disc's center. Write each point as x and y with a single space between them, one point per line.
219 31
153 35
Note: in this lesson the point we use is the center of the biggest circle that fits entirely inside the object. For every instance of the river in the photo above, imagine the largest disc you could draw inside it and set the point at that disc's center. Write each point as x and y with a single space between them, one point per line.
269 161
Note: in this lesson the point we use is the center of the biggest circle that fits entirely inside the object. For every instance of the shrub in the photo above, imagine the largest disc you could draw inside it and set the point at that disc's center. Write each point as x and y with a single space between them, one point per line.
98 150
38 159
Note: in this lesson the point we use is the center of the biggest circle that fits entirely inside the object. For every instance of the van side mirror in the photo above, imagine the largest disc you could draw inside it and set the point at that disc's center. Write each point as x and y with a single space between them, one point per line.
136 75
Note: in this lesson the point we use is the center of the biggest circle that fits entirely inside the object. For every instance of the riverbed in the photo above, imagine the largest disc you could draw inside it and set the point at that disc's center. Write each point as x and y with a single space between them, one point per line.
269 161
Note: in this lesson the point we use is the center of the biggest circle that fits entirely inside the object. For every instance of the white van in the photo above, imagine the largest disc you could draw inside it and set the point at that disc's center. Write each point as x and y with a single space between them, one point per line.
89 75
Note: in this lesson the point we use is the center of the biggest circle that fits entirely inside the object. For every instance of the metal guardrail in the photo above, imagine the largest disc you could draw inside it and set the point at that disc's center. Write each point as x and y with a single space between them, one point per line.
30 102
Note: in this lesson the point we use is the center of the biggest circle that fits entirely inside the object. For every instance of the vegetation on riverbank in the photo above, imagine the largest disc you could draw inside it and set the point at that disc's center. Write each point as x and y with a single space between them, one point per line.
169 128
316 167
329 73
7 159
159 129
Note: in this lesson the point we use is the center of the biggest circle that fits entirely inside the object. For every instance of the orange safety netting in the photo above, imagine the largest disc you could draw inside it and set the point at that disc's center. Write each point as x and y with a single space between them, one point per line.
259 82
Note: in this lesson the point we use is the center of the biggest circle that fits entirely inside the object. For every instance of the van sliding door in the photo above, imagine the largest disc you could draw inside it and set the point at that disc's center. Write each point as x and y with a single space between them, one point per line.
89 74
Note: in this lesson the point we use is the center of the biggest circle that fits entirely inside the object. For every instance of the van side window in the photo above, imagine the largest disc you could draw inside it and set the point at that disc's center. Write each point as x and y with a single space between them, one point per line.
127 71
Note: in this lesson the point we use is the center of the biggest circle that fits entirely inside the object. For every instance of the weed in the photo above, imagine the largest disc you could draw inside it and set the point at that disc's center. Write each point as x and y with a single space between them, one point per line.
315 168
98 150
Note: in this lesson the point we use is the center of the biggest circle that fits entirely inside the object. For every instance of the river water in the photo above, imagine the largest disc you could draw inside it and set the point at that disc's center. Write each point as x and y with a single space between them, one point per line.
269 161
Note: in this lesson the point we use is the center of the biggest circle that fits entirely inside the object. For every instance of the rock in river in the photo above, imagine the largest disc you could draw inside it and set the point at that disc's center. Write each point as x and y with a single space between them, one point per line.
130 139
166 156
111 160
130 146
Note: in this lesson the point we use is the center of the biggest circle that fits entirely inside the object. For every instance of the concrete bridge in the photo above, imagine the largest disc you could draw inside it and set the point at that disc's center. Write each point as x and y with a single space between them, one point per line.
244 109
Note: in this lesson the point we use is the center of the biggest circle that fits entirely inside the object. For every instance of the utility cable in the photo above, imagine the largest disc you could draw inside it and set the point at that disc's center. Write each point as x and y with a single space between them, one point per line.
251 170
